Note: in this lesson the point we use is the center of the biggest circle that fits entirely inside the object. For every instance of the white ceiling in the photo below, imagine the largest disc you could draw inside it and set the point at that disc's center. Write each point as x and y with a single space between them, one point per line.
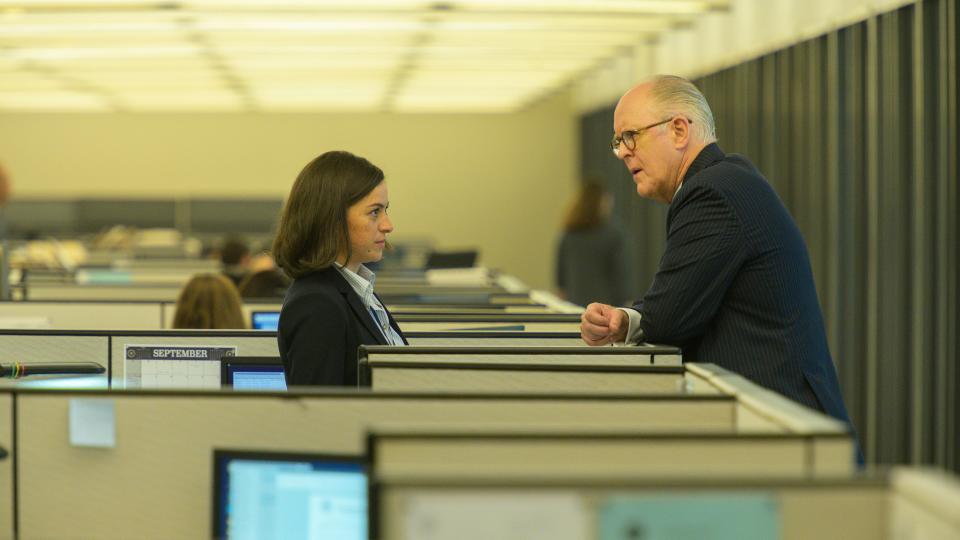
300 55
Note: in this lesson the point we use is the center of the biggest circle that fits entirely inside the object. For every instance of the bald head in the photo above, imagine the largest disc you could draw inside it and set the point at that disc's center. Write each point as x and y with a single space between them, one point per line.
669 95
660 127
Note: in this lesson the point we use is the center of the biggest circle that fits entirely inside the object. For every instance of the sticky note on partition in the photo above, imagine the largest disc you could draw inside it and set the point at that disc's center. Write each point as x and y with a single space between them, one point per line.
93 423
691 516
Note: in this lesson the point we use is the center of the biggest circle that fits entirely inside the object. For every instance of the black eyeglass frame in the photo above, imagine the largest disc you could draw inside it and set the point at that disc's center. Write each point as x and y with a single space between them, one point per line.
632 134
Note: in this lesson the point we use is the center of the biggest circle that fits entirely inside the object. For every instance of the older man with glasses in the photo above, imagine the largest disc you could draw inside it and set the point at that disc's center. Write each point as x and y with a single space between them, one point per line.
734 287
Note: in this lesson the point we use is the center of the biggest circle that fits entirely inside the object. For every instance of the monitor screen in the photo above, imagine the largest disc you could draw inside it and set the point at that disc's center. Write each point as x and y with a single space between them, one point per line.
291 496
252 373
265 320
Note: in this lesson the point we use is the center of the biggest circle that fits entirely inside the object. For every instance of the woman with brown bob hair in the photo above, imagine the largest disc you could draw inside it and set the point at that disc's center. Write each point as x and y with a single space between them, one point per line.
209 301
590 261
334 220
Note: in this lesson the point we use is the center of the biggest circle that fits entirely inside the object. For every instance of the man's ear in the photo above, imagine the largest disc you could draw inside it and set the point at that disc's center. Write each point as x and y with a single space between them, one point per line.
680 131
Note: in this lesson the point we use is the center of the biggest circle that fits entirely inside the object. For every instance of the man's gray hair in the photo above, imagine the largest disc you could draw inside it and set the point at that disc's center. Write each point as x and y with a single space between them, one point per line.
678 96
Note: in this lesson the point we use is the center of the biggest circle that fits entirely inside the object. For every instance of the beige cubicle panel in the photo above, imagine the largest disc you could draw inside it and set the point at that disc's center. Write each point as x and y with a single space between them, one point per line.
561 507
158 476
87 315
6 467
648 369
169 309
138 292
926 504
603 454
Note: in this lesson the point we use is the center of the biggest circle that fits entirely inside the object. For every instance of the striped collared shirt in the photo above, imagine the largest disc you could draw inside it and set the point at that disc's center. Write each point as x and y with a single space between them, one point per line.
362 283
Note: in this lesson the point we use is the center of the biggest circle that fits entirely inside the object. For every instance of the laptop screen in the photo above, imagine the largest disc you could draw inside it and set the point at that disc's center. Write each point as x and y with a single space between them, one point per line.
265 320
252 373
293 496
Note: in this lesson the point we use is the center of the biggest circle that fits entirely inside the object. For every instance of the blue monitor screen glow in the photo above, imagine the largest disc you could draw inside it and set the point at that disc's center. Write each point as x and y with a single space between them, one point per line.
265 320
258 378
290 496
252 373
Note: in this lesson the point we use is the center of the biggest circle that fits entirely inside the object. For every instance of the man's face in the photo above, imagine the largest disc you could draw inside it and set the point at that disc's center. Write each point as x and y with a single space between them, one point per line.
654 162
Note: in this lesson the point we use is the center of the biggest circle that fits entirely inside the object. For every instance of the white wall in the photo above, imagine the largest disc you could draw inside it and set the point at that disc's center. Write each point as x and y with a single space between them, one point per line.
495 181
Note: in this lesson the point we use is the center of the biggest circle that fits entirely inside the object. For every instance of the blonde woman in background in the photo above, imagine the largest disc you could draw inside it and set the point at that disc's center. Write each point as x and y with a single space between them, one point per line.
209 301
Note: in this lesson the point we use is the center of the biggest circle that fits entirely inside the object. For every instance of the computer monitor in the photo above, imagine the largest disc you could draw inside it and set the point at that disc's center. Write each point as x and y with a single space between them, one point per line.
452 259
265 320
292 496
252 373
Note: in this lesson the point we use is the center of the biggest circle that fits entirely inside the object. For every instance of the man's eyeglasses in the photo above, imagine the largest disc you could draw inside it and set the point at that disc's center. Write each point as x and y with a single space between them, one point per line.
629 136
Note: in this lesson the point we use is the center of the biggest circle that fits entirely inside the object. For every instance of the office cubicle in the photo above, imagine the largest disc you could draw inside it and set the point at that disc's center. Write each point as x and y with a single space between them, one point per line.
151 358
157 314
901 504
505 322
92 292
648 368
156 477
168 291
602 453
87 315
813 444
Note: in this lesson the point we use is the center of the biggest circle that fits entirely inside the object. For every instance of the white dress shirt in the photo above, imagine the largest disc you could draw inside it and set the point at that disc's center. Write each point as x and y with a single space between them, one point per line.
362 282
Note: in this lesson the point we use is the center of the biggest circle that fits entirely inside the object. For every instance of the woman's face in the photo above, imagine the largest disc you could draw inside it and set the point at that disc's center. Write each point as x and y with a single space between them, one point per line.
368 226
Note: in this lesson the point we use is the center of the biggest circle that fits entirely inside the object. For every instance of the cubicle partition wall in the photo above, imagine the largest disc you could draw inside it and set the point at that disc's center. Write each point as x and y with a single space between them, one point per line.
507 322
600 453
157 358
154 478
158 314
161 292
564 507
83 315
494 339
168 291
649 369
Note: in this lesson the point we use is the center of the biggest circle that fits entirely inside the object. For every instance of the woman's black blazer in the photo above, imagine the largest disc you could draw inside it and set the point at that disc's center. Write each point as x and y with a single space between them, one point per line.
322 323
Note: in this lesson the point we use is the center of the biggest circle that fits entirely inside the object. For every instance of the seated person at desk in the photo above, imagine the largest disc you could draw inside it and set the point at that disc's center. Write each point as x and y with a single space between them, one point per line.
210 302
334 220
270 283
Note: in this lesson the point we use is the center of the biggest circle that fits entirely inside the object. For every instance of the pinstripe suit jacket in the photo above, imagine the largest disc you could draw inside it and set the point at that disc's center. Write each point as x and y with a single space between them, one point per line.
735 287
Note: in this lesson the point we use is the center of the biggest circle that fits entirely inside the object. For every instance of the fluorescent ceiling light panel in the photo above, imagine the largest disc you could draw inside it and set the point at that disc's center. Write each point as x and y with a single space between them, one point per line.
318 55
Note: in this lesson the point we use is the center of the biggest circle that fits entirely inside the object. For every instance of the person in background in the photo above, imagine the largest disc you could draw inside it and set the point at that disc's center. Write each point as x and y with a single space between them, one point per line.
235 258
590 262
271 283
209 301
334 221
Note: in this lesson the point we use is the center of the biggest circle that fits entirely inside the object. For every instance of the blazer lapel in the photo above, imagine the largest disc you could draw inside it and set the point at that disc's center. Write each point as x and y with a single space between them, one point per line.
393 322
362 314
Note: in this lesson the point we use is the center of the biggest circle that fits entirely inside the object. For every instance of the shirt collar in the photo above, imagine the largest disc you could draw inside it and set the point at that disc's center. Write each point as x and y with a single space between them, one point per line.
709 155
362 282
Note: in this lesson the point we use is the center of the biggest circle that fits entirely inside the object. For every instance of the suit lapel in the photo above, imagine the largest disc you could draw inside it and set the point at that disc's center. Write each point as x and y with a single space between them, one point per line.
362 314
393 322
